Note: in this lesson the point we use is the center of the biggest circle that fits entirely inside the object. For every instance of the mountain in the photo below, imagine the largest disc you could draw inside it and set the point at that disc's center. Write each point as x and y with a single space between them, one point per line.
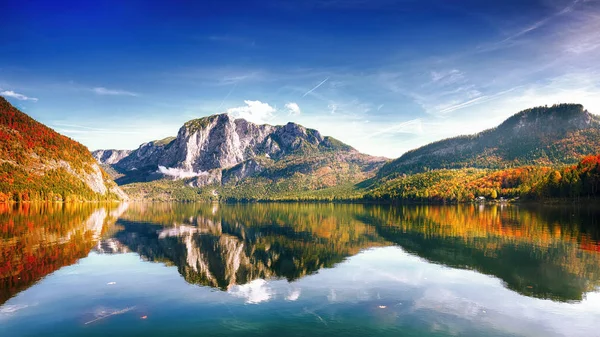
220 150
560 134
37 163
110 156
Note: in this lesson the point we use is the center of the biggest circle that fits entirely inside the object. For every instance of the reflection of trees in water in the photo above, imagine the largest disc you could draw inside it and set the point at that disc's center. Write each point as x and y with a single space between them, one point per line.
38 239
545 253
549 252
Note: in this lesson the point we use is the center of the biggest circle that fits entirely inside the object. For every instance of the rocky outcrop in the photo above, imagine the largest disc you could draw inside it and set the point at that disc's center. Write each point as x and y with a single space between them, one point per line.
220 141
219 149
110 157
207 178
242 170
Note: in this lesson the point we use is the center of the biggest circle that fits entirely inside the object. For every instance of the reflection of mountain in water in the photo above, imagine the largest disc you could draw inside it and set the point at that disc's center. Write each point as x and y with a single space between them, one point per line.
38 239
546 253
237 244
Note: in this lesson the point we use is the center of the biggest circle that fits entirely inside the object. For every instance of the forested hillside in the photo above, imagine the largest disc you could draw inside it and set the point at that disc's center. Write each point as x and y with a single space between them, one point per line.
460 185
37 163
541 136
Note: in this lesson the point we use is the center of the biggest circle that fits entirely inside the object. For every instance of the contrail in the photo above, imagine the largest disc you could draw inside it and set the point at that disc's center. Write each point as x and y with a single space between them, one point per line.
226 97
313 89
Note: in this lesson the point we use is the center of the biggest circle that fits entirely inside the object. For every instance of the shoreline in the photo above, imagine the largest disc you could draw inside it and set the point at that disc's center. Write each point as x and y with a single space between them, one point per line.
524 202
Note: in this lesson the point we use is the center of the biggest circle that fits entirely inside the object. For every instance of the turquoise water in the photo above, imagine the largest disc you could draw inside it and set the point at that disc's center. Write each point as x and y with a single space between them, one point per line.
299 270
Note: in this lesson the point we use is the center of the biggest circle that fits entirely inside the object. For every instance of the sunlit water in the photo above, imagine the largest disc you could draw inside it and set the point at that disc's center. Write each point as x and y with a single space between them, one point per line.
299 270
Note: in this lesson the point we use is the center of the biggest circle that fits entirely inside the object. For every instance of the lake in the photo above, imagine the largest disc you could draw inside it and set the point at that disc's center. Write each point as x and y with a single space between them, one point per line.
299 270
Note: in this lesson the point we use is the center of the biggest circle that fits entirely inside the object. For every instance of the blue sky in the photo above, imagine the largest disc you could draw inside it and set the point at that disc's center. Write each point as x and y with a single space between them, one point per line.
384 76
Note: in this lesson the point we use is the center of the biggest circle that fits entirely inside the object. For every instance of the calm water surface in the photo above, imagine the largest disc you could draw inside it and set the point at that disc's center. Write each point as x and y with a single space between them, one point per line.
298 270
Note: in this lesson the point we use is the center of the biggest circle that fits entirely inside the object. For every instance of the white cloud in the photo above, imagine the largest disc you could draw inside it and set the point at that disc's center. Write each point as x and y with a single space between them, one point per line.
10 93
254 111
112 92
293 109
254 292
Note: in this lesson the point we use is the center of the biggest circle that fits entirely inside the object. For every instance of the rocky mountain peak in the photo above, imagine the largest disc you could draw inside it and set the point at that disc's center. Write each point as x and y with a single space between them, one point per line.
194 125
205 146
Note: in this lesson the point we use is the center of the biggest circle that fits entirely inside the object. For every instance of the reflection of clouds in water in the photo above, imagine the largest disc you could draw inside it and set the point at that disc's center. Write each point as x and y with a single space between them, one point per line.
254 292
447 302
454 300
450 306
471 296
293 295
332 297
11 309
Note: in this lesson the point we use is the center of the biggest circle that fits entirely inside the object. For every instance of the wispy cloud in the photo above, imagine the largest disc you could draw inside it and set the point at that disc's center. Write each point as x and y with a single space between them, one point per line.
237 78
332 108
236 40
354 5
315 87
214 76
584 36
70 128
21 97
510 40
112 92
474 101
447 77
413 126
